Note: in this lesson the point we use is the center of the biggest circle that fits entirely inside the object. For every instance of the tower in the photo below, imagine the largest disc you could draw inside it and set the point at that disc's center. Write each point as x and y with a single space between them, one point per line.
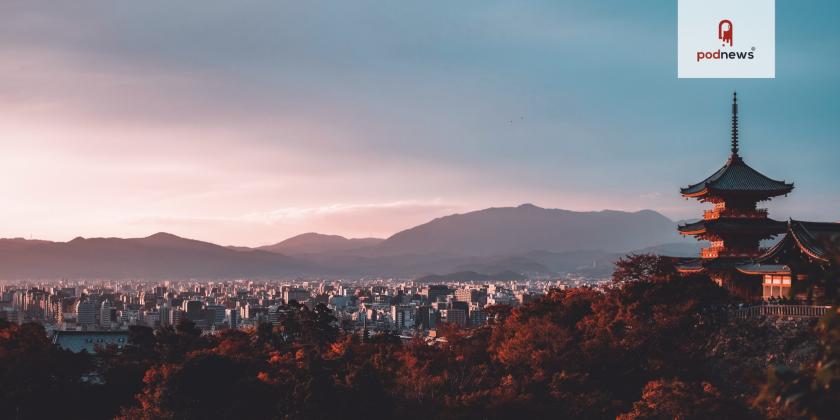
735 226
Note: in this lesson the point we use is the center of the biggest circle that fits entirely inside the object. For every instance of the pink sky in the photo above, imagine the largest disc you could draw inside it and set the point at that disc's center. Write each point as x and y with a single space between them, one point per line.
248 124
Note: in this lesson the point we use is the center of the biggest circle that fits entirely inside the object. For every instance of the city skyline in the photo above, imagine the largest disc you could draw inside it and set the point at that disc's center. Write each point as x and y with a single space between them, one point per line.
249 124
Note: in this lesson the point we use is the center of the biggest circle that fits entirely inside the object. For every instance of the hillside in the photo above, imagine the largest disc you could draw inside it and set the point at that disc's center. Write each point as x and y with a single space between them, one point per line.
159 256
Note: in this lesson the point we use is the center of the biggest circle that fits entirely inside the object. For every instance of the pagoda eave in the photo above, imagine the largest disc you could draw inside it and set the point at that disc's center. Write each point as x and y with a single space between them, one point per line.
764 269
710 194
758 227
704 265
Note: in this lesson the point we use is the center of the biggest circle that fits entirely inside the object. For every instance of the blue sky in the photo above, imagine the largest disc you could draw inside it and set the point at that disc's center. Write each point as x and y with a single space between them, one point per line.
248 122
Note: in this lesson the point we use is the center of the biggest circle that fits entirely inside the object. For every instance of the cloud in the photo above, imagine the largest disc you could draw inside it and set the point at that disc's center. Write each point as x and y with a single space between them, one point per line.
252 121
296 213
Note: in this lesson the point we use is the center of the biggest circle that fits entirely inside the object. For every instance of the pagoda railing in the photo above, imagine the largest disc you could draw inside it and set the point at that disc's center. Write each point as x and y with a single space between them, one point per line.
797 311
733 213
715 252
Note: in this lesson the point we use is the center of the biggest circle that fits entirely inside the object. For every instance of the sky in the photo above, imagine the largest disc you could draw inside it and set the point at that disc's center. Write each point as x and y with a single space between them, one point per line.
248 122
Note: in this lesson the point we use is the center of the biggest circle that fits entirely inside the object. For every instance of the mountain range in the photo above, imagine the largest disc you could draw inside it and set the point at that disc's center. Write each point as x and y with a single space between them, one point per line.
317 243
523 239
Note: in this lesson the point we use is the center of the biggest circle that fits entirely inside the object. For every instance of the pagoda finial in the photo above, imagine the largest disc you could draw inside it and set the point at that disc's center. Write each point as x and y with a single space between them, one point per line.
735 124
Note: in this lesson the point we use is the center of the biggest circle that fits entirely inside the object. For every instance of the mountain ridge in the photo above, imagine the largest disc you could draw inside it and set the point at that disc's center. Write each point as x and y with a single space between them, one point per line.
525 239
312 242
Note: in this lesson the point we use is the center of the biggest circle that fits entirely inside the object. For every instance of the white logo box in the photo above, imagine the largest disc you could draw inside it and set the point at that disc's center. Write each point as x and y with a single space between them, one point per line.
701 53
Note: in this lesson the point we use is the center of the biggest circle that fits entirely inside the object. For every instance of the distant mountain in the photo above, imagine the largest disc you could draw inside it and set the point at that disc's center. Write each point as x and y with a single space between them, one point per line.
160 256
517 230
676 249
470 276
517 263
525 239
316 243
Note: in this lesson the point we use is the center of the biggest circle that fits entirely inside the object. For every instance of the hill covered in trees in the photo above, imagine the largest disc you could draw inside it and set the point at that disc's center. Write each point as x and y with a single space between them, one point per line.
655 345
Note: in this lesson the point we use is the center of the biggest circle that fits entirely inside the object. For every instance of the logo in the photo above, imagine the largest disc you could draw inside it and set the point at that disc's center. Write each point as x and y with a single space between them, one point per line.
706 44
725 31
724 34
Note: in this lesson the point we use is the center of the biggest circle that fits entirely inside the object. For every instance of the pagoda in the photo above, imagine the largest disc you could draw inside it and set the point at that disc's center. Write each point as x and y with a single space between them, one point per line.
735 226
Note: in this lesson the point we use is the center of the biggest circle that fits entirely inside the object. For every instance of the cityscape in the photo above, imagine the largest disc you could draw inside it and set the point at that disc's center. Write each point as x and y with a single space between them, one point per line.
419 210
87 315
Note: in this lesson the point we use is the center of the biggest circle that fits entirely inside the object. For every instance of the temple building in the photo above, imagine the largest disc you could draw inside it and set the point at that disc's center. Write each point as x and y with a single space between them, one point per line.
735 227
801 255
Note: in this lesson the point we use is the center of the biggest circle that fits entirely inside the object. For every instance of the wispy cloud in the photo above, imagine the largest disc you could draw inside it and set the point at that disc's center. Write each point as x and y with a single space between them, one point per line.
297 213
250 122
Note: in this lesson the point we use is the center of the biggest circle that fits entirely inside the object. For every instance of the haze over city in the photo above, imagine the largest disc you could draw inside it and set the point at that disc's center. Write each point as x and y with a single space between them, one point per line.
251 122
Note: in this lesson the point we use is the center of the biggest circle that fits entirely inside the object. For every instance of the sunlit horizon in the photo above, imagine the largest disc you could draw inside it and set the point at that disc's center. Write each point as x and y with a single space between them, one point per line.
249 125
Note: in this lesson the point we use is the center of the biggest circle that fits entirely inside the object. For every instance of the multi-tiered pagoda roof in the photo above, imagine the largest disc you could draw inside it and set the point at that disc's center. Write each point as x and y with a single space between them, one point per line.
755 225
736 177
735 226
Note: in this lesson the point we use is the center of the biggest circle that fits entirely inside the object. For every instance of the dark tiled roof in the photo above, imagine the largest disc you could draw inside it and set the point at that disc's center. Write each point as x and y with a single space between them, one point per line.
763 268
737 176
693 266
810 237
713 264
759 225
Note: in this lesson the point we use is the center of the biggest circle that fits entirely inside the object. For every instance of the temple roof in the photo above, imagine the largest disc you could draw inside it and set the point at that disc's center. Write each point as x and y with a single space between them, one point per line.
693 266
755 225
736 176
812 238
764 269
700 265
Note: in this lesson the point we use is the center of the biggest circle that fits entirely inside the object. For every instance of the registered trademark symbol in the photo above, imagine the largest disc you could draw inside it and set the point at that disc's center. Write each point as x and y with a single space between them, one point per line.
753 48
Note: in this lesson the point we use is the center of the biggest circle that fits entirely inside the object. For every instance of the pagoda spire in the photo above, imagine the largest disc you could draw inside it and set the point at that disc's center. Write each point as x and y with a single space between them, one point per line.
735 125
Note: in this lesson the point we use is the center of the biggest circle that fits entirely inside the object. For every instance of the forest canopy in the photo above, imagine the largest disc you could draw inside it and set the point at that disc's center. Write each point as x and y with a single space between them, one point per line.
654 344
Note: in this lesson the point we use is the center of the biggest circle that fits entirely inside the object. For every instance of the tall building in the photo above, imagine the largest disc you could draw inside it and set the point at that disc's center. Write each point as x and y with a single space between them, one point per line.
218 313
477 315
105 315
299 295
455 316
735 227
403 316
176 316
273 314
232 318
470 295
192 309
435 292
86 313
427 317
165 315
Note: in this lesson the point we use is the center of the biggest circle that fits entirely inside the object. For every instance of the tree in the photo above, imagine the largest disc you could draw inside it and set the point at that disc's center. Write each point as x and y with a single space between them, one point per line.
644 268
812 392
32 369
675 399
206 385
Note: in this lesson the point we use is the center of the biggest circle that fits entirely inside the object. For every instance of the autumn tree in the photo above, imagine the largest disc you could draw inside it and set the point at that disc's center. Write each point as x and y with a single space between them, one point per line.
644 268
32 369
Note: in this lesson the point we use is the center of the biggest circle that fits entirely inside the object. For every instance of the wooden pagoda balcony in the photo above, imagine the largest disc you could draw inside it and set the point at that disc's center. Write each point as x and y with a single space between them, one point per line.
717 252
740 214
